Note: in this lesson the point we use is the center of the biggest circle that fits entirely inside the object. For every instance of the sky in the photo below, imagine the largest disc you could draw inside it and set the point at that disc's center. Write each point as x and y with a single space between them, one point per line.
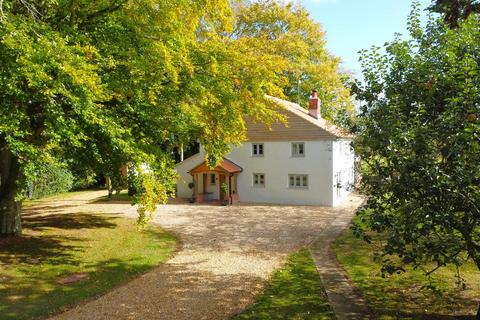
353 25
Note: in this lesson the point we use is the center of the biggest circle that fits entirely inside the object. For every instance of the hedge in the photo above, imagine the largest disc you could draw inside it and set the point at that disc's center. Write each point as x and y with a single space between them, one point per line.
47 180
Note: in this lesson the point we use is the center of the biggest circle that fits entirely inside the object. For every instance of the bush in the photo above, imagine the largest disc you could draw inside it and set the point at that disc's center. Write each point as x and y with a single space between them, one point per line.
48 179
82 182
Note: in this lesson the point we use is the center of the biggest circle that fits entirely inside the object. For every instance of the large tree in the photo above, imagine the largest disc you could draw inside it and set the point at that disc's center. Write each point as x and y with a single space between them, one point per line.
97 84
288 31
419 144
455 11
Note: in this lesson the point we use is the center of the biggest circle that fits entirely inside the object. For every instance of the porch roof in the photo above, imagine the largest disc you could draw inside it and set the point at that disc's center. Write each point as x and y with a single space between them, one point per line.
224 166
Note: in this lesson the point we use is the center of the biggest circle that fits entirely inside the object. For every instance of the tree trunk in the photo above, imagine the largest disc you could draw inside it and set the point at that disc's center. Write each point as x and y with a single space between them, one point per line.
477 262
10 222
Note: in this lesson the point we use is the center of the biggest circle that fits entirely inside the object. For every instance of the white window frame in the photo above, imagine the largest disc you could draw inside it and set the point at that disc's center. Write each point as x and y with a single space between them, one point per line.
256 147
295 149
300 181
258 180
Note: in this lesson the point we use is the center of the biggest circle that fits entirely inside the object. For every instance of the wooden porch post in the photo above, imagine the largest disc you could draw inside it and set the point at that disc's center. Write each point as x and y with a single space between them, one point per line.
230 189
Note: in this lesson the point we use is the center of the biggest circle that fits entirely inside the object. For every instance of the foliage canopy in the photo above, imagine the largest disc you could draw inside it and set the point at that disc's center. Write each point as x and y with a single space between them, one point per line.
419 142
100 84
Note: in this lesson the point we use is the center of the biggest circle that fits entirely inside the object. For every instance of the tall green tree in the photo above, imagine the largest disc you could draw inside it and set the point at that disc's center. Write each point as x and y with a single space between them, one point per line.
288 31
99 84
455 11
419 144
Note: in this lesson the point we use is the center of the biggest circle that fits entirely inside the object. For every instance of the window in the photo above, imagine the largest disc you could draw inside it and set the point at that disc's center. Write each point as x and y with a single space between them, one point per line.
257 149
298 149
298 181
212 179
259 180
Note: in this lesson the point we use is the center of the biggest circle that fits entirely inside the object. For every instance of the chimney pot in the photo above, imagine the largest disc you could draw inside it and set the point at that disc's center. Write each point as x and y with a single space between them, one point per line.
314 105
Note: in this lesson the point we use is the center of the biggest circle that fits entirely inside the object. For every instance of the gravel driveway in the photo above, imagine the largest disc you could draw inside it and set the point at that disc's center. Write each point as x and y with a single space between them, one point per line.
227 255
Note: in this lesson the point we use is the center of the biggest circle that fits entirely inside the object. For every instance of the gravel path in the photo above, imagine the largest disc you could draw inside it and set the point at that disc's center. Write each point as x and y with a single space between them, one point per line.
228 254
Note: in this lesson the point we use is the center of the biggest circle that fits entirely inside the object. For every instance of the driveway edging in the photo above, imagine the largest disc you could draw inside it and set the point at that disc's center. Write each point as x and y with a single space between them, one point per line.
344 298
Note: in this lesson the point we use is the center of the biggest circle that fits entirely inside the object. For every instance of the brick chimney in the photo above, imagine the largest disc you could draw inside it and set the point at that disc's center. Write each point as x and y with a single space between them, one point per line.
314 105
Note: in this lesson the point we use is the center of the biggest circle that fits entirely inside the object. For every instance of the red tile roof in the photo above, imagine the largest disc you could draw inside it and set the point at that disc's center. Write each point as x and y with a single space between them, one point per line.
224 166
303 113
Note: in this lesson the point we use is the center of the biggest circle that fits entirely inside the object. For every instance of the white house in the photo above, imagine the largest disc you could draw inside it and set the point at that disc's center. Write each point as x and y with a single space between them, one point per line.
307 161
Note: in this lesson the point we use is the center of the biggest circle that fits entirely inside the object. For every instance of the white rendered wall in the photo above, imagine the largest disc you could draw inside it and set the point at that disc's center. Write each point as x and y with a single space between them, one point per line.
343 170
182 168
277 163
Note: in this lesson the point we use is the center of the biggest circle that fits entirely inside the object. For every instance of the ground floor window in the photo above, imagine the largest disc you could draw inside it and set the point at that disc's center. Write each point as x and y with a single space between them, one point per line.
298 181
259 180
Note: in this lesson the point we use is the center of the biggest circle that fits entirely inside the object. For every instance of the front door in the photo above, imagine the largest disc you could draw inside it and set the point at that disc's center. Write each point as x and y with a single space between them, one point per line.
222 181
339 184
205 180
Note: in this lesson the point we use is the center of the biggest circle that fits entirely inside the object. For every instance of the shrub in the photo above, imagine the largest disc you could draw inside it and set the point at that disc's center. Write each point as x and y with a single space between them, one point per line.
85 181
48 179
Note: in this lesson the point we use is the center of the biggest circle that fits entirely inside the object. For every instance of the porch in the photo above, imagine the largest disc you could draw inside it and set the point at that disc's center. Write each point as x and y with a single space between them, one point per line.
216 184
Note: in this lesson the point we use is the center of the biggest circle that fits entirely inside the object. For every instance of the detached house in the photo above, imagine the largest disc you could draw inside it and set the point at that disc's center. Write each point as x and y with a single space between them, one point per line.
307 161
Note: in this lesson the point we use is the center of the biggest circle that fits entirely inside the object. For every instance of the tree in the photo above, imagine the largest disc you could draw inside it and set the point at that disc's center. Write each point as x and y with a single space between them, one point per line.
287 31
100 85
419 143
455 11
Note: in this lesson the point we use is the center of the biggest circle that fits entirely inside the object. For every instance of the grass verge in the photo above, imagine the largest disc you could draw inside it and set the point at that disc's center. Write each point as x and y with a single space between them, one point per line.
122 196
107 250
405 296
295 292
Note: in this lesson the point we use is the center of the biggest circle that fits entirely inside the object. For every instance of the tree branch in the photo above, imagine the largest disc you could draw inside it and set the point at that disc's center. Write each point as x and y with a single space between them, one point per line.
2 14
31 9
97 14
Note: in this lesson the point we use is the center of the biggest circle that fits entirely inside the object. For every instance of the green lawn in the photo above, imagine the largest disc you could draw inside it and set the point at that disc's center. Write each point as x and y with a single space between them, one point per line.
402 296
59 196
108 249
122 196
295 292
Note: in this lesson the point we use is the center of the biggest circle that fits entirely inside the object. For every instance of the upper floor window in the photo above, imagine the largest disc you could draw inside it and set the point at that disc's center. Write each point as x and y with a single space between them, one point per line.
259 180
298 181
298 149
257 149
